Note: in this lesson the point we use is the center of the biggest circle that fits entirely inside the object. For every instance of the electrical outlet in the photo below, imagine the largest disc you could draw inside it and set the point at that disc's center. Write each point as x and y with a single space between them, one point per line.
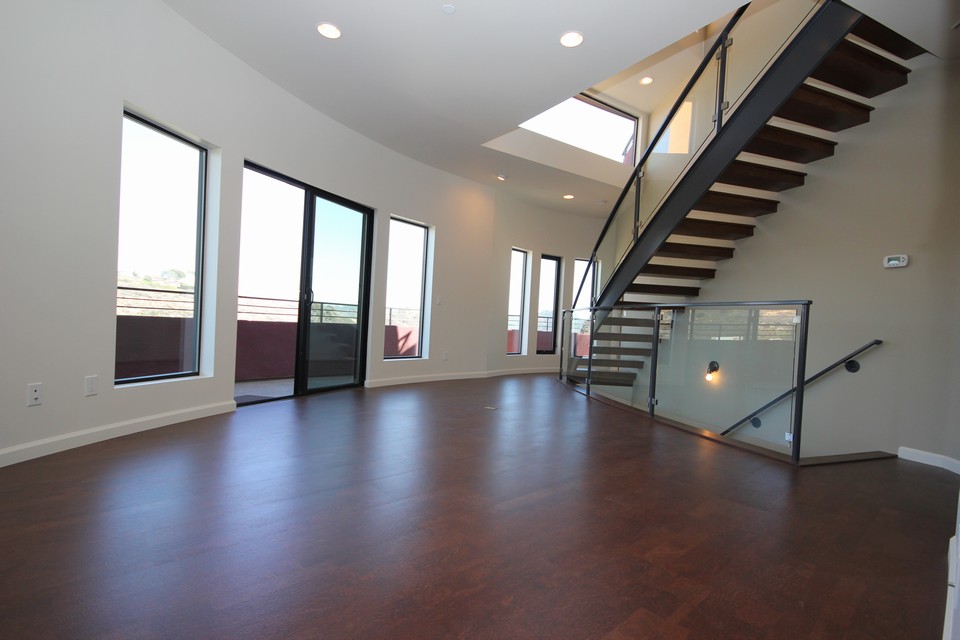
34 394
446 354
90 385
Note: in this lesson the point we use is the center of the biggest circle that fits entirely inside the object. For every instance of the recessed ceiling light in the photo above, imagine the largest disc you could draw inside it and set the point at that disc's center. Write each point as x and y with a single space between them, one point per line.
569 196
448 9
645 80
502 177
571 39
328 30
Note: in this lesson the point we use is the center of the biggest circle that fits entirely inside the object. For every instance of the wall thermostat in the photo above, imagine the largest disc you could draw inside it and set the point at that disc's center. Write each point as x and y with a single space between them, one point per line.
891 262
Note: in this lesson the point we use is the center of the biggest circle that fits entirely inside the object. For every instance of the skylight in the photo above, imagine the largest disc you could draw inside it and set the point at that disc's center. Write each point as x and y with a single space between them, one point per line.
589 125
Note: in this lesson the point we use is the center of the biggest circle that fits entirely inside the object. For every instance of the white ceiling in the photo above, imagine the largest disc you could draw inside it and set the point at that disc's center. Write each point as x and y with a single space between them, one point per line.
436 87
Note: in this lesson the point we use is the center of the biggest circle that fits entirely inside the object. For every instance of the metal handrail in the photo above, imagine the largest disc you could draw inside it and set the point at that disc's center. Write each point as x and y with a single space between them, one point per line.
809 380
651 306
656 138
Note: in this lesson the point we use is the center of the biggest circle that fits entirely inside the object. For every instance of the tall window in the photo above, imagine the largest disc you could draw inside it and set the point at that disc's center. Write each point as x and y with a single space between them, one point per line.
516 301
580 267
549 301
580 321
406 283
158 254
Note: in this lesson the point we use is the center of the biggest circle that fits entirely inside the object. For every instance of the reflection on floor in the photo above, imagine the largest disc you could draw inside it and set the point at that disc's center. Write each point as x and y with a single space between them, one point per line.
507 507
249 392
260 390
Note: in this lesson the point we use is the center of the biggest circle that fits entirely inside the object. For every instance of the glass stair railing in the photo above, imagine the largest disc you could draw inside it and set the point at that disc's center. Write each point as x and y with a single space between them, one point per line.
702 365
728 371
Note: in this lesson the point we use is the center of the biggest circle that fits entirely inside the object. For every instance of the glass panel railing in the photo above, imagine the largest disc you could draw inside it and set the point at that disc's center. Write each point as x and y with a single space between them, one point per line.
727 368
759 37
619 237
722 363
684 137
575 354
566 316
622 350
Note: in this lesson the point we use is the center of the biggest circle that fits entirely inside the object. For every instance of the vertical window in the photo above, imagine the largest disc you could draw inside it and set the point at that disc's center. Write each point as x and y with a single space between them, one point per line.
584 299
676 139
158 254
549 302
516 301
406 284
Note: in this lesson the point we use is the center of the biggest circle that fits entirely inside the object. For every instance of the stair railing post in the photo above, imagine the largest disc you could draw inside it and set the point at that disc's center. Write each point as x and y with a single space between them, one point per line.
654 353
564 335
593 279
636 210
593 317
801 381
722 78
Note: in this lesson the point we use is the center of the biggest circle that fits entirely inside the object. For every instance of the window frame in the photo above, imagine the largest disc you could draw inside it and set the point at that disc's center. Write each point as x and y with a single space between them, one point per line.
557 271
522 323
425 258
202 177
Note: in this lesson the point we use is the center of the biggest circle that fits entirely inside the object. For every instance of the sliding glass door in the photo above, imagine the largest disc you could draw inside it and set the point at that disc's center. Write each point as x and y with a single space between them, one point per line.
304 281
334 339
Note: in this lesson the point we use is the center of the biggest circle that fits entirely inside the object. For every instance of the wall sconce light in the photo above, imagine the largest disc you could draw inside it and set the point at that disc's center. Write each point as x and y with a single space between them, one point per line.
712 368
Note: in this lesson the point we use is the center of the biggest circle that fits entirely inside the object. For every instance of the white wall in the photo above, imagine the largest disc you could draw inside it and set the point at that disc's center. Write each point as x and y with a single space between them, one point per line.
536 231
68 69
892 187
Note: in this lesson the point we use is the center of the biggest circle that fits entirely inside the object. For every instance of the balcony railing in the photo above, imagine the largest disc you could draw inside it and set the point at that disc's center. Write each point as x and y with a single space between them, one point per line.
166 303
156 319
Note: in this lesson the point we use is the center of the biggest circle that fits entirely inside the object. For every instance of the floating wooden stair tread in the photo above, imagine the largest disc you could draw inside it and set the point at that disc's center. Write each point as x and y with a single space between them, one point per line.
823 110
860 71
735 204
846 67
605 378
617 336
628 321
886 38
673 271
713 229
662 290
580 364
777 142
694 251
612 363
620 351
759 176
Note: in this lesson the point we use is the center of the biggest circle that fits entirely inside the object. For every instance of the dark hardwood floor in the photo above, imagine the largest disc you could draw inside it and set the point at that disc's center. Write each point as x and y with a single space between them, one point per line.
507 508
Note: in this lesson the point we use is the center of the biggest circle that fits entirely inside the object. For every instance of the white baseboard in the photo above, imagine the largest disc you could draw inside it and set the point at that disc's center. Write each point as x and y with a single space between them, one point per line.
440 377
933 459
56 444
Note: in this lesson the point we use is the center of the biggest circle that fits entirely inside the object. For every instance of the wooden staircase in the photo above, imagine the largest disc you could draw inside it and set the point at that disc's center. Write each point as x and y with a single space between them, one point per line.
835 97
620 350
863 65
